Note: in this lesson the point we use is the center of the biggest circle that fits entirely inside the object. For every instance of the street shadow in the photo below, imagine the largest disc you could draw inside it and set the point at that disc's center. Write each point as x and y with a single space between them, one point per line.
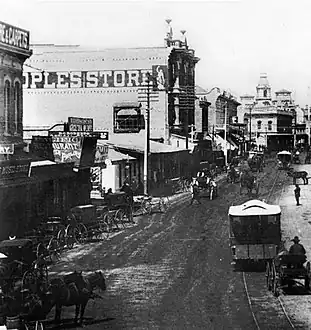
68 323
250 266
295 288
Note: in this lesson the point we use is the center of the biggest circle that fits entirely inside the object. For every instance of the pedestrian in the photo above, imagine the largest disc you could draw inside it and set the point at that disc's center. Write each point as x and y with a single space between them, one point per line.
297 194
195 192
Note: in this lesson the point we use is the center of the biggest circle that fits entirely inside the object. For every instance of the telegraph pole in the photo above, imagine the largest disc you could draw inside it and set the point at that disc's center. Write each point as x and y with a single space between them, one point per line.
225 149
147 137
250 127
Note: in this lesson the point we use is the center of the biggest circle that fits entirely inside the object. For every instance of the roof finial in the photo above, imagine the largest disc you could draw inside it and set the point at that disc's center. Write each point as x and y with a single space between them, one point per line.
169 32
183 39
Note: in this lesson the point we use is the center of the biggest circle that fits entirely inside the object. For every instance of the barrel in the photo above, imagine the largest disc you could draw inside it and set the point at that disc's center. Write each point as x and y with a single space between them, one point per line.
13 322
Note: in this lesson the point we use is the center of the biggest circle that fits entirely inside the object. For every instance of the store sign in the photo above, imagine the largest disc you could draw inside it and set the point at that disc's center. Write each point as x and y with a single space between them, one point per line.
14 169
94 79
77 124
14 36
6 149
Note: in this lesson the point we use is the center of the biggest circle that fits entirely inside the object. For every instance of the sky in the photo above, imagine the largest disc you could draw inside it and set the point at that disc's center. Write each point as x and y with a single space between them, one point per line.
236 40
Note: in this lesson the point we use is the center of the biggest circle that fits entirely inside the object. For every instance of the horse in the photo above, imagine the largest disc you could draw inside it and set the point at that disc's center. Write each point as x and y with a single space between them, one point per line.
248 181
298 175
75 289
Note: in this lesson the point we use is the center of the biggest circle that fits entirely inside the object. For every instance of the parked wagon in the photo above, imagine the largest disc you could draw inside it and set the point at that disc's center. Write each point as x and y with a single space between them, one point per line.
207 186
21 265
255 231
283 270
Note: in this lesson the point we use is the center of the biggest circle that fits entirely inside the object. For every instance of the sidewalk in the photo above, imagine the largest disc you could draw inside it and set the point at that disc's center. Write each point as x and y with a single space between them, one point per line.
296 220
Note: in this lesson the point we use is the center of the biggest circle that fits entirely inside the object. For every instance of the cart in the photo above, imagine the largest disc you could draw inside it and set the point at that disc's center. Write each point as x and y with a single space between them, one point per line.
284 269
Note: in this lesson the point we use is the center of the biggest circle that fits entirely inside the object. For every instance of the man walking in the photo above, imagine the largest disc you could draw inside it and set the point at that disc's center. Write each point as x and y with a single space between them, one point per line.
195 193
297 194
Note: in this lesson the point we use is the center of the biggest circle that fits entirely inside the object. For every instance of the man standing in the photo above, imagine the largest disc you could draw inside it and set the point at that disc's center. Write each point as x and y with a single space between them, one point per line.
195 193
297 194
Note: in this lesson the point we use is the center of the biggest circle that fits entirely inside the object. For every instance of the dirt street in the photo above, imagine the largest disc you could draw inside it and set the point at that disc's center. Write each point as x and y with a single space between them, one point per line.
169 271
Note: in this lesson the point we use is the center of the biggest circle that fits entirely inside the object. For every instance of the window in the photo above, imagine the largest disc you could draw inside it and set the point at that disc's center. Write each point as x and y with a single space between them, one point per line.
7 102
17 106
259 124
128 120
265 93
270 125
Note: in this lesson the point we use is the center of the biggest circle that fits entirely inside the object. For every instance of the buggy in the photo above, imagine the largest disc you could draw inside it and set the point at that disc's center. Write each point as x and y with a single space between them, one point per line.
284 269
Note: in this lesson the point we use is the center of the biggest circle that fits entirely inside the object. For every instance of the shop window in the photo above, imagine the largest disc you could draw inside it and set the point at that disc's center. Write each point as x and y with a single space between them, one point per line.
270 125
17 106
7 102
259 124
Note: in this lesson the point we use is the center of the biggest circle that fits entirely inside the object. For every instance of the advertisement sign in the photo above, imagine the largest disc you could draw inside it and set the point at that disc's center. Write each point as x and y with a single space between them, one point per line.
77 124
14 36
67 149
7 149
14 169
101 154
94 79
102 135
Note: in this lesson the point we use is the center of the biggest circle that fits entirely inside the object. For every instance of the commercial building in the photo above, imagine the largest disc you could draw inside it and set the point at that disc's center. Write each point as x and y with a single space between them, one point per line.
269 121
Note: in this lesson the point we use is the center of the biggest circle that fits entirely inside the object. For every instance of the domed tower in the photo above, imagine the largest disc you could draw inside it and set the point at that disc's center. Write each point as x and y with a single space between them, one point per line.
263 89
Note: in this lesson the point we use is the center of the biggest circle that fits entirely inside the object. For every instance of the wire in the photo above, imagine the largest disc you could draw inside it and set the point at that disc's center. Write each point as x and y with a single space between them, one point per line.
30 66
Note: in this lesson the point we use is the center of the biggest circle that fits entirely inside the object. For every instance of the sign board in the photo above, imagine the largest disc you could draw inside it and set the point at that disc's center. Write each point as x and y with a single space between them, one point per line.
6 149
93 79
77 124
103 135
41 146
13 36
14 169
101 154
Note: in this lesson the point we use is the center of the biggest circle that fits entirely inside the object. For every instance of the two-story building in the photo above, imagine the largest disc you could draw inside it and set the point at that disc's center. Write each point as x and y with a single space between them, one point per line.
269 121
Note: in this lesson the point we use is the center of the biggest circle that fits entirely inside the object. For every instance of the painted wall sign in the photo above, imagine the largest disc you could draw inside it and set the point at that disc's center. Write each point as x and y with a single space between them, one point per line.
77 124
101 154
6 149
92 79
14 36
79 133
14 169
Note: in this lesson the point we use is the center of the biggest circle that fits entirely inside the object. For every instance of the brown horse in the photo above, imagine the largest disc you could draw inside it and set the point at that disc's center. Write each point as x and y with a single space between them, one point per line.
75 289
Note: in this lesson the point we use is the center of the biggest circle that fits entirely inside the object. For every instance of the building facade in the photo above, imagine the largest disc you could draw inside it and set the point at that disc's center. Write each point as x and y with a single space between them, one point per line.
269 121
63 81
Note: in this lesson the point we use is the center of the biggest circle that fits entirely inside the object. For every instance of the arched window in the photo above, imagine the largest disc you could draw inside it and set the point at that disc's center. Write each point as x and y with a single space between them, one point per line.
259 124
17 106
270 125
265 93
7 102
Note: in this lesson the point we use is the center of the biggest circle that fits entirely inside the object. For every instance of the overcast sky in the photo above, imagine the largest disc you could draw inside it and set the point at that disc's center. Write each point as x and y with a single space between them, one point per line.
236 40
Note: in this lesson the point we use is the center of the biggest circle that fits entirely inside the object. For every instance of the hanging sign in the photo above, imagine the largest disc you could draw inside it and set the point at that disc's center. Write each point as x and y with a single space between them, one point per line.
6 149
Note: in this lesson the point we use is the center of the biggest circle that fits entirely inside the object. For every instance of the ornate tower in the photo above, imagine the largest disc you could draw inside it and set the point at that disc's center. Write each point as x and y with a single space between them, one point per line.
263 89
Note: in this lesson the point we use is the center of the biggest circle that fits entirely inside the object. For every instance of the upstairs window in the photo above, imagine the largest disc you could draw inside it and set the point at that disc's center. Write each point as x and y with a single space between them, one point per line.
17 106
128 118
259 124
265 93
7 102
270 125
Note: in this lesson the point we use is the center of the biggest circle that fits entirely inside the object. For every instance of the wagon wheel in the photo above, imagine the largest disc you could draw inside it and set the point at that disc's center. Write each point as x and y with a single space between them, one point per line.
53 249
268 276
41 274
104 228
61 237
81 233
308 276
29 281
41 250
120 217
70 236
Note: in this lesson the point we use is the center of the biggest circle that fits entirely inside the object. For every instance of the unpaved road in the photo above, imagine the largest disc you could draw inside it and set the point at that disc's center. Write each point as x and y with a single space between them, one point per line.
170 271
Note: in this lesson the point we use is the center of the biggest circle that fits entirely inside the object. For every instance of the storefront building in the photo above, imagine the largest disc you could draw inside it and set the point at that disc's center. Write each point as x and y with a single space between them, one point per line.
63 81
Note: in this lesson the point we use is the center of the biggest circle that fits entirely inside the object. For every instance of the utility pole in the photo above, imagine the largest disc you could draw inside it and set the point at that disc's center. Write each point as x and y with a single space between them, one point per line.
225 149
250 127
147 137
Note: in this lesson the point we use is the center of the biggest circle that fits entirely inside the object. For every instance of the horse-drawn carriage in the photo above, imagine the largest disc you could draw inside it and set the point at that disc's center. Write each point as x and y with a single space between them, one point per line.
20 265
234 169
284 269
284 159
256 161
255 231
206 185
249 181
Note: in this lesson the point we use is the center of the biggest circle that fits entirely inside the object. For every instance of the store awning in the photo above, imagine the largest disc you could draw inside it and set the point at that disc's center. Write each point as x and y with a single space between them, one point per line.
116 156
47 170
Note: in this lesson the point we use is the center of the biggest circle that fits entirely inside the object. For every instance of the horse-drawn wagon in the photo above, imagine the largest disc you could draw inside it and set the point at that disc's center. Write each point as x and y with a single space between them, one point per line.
249 181
283 270
256 161
206 185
